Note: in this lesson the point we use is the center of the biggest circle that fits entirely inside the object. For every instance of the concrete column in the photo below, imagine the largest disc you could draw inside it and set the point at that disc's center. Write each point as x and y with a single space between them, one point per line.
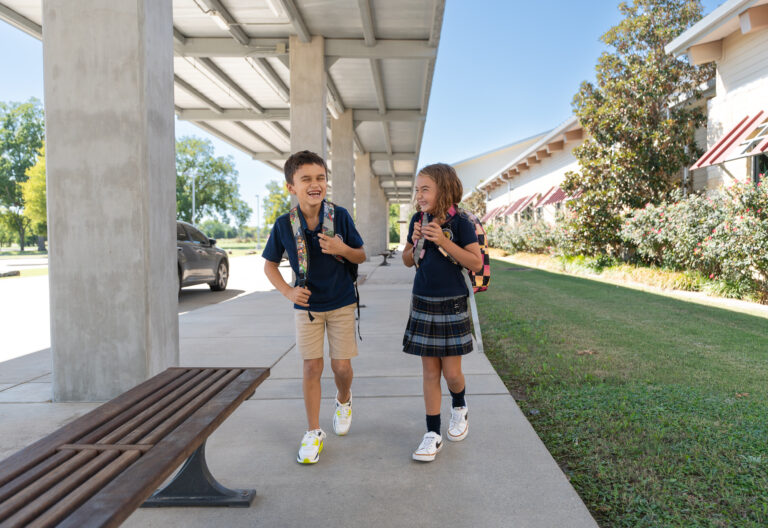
108 71
308 86
371 207
379 218
343 160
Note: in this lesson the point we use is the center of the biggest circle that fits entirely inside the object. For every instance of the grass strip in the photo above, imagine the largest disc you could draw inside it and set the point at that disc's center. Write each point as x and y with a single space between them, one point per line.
655 408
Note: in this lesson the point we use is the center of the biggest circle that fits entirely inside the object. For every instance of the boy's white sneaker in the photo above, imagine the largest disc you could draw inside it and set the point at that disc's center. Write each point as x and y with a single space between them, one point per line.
311 447
430 446
342 416
458 427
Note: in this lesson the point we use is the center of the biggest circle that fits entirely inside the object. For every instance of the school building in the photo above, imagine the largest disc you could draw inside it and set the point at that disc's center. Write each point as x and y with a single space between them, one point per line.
735 138
735 37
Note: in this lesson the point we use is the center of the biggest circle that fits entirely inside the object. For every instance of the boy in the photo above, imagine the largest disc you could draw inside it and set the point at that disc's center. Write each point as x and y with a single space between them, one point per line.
324 299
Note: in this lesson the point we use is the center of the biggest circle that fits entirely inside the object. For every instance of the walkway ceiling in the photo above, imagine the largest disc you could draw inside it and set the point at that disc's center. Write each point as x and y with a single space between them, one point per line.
232 74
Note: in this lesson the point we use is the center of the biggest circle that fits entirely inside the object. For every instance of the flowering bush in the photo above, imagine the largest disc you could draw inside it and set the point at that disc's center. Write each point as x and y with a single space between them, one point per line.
725 237
528 235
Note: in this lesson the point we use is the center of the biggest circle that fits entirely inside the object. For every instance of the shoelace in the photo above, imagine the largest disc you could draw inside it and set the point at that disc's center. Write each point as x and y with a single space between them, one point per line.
426 442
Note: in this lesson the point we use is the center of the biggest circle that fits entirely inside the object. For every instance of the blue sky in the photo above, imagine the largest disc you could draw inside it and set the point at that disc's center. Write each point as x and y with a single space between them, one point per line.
505 70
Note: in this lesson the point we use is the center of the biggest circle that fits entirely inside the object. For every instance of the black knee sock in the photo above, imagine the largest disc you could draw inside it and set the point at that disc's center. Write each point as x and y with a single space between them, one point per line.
433 423
458 398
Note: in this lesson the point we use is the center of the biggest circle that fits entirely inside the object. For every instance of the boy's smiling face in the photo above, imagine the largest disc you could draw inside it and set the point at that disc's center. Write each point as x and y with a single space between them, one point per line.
309 185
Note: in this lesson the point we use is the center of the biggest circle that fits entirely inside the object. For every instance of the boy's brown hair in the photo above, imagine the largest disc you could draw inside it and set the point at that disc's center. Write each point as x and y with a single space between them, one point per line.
304 157
449 188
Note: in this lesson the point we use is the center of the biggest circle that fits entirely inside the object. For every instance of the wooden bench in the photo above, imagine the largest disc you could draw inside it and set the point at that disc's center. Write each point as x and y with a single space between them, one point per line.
99 468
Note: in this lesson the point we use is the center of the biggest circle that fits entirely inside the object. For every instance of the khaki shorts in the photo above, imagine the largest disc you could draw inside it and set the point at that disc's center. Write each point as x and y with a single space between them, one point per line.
340 323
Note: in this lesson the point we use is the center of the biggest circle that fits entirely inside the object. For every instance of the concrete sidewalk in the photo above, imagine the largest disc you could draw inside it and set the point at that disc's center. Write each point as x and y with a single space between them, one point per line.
501 475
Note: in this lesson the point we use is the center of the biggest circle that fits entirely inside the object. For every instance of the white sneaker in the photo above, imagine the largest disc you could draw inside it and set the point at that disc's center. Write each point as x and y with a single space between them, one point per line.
311 447
458 427
430 446
342 416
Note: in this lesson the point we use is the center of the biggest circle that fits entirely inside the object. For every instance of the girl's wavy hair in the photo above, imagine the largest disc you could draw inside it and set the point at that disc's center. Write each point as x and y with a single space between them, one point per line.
449 188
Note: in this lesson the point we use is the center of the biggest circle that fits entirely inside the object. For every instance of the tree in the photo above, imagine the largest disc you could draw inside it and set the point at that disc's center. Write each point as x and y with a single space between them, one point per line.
34 192
21 136
394 223
638 138
475 203
217 193
276 203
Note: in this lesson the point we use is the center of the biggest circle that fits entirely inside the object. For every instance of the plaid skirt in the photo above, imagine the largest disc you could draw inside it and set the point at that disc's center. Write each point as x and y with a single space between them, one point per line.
438 327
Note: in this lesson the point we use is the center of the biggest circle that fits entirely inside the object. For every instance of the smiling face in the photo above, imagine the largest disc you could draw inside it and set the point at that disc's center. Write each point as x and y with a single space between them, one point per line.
426 193
309 185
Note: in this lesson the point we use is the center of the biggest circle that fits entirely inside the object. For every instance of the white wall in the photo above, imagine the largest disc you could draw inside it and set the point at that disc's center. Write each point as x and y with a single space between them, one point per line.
742 88
474 170
538 179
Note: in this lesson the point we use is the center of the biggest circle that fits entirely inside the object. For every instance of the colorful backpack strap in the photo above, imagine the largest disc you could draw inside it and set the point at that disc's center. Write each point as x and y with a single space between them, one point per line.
329 223
301 245
418 249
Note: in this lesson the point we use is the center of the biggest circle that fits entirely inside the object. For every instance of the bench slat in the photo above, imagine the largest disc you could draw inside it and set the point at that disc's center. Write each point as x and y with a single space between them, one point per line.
123 495
33 454
140 406
155 413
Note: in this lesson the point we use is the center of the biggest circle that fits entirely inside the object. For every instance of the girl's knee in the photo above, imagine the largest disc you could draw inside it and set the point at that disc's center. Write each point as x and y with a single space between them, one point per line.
431 369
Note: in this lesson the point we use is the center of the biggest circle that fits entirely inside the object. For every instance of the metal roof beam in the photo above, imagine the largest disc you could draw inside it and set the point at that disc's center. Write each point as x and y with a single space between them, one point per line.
246 100
289 6
184 85
265 70
232 25
366 16
343 48
377 82
283 114
21 22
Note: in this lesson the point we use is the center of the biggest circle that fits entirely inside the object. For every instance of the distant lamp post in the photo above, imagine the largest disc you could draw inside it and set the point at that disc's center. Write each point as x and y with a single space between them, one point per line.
193 200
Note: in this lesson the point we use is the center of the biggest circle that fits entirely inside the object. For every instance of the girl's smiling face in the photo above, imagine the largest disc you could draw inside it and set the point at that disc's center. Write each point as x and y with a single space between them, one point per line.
426 193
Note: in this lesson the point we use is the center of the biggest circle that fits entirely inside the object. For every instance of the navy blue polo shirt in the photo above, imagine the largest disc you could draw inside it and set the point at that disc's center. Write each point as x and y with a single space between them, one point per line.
437 276
327 278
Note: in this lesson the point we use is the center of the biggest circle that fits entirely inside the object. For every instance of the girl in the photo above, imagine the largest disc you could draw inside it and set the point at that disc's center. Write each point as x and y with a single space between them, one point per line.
438 328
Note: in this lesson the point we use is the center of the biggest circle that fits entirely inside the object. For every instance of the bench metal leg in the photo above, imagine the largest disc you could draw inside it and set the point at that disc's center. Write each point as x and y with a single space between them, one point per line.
194 485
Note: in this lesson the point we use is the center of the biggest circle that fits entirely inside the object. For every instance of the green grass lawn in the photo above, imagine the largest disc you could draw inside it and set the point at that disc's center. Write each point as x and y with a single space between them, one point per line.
656 409
7 253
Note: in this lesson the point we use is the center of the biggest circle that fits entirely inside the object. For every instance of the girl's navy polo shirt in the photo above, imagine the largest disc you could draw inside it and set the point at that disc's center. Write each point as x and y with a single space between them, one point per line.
328 279
437 276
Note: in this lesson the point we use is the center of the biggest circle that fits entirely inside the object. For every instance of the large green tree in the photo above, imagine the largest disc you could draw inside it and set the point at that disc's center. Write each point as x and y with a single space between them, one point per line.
217 193
21 136
276 203
639 134
35 201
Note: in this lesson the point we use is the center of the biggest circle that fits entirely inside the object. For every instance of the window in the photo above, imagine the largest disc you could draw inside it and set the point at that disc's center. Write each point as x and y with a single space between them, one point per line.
197 237
754 138
181 234
759 167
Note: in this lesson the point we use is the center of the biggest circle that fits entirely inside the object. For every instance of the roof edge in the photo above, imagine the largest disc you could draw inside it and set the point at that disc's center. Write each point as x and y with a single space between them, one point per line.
707 25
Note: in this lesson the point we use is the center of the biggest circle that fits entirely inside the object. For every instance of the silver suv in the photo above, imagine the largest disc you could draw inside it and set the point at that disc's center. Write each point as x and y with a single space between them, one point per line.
199 260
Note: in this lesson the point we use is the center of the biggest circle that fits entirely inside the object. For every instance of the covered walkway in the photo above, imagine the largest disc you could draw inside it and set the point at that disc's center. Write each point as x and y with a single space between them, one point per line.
501 475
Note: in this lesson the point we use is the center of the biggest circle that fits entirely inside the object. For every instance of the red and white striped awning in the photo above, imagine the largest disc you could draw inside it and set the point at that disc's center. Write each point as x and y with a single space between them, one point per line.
493 213
748 138
557 196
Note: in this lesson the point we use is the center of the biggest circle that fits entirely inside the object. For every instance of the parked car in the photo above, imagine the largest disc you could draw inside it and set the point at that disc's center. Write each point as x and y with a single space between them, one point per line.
199 260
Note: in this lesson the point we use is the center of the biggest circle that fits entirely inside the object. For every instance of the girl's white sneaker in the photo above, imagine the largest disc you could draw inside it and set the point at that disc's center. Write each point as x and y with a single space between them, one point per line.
458 427
311 447
430 446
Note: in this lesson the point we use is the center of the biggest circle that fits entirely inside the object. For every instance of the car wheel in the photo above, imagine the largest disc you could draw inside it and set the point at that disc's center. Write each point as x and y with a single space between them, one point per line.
179 273
222 276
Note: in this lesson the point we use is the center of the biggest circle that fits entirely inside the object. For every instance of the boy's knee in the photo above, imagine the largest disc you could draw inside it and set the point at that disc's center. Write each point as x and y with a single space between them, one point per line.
341 366
313 368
